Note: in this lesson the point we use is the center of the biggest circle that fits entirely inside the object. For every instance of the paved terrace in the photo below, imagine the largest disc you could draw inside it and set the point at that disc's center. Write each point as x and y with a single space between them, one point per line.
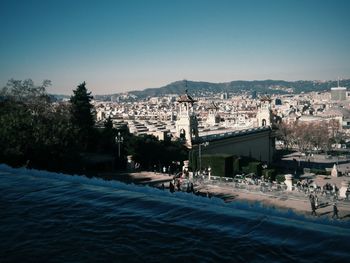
270 194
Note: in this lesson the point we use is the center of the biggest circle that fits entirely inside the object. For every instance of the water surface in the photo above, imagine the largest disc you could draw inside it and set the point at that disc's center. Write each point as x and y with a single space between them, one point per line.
48 217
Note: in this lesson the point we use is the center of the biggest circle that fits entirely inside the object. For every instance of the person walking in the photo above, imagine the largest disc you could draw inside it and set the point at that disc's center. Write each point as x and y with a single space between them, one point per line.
335 211
178 185
171 187
316 201
191 188
313 206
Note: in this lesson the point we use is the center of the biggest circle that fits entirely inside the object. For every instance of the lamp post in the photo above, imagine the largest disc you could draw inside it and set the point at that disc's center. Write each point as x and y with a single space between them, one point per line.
200 154
119 139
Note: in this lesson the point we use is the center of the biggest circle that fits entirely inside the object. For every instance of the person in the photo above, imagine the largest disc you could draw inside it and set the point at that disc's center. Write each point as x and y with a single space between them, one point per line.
316 201
162 187
335 211
191 188
188 190
169 170
164 169
178 185
171 187
313 206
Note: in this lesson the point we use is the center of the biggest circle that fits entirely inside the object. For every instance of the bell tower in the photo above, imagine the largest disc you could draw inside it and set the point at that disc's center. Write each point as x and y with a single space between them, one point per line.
186 123
264 116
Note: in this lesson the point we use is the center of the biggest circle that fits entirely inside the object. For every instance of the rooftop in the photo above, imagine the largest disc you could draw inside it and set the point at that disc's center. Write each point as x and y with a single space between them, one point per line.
225 135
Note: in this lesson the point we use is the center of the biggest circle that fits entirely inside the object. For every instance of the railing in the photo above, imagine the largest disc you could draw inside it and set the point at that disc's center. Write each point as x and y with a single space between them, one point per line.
264 187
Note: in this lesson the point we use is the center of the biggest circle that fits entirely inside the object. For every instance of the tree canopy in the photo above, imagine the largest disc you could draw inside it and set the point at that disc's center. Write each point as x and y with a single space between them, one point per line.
82 115
55 136
32 128
309 137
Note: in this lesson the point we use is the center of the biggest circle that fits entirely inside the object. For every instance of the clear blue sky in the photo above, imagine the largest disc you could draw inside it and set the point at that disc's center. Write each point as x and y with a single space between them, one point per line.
126 45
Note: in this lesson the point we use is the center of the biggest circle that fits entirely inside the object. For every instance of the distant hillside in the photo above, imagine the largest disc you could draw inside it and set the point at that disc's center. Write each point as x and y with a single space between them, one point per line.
198 88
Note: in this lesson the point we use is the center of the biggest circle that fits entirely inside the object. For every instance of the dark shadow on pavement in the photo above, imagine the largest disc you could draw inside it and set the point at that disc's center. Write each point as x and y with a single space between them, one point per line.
324 213
346 216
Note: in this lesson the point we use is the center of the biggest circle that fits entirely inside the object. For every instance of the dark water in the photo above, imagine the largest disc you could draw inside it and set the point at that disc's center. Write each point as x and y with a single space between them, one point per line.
46 217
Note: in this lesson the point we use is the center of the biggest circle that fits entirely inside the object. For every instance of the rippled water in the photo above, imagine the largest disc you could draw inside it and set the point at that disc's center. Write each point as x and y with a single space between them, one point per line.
47 217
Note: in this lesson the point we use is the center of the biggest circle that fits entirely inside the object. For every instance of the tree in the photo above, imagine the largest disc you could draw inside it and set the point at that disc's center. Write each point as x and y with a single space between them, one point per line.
284 133
82 115
32 128
106 140
148 151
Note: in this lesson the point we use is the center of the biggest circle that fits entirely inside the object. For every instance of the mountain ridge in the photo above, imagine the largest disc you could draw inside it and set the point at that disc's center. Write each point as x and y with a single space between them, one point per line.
197 88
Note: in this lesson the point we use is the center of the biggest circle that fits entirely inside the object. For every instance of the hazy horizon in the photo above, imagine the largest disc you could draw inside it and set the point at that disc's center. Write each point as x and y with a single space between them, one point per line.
119 46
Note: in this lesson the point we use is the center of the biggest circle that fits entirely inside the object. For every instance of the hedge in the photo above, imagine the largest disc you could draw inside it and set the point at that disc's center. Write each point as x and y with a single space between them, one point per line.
221 165
320 171
269 174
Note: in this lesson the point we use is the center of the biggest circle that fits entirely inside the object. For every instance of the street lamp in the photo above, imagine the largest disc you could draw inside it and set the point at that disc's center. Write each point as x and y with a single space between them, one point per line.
119 139
200 154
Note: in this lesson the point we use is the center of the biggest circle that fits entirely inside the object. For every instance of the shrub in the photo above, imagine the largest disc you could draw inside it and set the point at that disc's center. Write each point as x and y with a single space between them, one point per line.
236 165
280 178
269 174
221 165
320 171
255 167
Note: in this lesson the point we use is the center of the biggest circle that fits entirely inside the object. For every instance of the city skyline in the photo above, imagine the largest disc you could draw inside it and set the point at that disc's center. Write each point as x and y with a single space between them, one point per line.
118 46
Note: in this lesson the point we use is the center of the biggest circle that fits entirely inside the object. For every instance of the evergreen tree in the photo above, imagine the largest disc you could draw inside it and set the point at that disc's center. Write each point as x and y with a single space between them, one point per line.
83 118
107 137
108 124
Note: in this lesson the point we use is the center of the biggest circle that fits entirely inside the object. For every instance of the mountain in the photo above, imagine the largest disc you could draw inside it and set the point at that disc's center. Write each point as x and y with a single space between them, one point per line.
199 88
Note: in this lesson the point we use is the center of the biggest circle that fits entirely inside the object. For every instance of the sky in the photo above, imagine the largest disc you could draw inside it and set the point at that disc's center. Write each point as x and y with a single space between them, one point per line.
117 46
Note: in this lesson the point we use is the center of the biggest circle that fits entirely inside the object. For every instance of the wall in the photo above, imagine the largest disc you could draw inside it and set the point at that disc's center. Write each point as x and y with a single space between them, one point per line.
259 146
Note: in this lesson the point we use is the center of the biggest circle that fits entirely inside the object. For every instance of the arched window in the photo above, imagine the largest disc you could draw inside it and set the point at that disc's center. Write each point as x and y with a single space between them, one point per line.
193 131
263 122
182 134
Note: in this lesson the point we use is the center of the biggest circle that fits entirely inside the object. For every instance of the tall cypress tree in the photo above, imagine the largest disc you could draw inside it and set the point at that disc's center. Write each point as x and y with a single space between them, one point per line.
83 117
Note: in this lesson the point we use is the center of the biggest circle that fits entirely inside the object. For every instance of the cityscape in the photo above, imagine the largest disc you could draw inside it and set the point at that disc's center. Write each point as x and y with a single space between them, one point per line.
186 131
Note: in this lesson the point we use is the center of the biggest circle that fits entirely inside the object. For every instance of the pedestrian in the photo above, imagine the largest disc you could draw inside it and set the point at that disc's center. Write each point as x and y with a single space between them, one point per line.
188 190
171 187
316 201
162 187
313 206
335 211
178 185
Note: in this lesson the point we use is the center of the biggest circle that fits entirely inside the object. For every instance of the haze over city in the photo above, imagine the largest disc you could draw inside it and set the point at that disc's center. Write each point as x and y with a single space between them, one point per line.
118 46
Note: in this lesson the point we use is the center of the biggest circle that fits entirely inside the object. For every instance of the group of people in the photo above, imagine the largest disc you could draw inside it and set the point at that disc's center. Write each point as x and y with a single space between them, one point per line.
308 186
330 188
314 205
175 185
